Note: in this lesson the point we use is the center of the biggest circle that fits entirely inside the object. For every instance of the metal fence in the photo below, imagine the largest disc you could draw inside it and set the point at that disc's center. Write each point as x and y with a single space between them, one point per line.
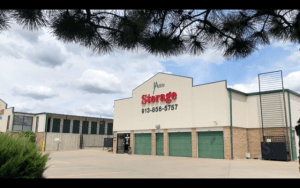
273 107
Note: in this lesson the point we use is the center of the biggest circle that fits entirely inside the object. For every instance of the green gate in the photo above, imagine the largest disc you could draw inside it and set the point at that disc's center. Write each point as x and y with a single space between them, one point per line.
180 144
211 145
142 144
159 143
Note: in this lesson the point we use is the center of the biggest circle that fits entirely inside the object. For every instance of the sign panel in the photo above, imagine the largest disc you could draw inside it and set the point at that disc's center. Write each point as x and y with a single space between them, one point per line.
0 117
2 111
56 139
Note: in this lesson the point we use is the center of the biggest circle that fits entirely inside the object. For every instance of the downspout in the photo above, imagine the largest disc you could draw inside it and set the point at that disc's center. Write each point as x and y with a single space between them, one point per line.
46 131
13 121
292 143
231 126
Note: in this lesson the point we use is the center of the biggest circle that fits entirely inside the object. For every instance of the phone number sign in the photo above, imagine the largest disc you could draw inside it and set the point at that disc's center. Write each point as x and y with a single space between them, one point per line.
160 108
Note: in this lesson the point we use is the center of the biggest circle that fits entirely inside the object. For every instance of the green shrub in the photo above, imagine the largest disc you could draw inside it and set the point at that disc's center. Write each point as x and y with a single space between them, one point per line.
20 158
27 134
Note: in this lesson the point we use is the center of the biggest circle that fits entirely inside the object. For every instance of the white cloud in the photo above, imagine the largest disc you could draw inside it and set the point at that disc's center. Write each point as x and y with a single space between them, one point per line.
35 92
98 81
292 81
99 110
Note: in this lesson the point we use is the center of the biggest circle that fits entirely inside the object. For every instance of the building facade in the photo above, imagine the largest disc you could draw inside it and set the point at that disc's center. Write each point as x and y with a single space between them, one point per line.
56 130
168 116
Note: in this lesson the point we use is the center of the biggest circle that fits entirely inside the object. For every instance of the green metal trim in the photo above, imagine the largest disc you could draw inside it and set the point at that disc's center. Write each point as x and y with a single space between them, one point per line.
64 115
13 121
266 92
292 143
231 126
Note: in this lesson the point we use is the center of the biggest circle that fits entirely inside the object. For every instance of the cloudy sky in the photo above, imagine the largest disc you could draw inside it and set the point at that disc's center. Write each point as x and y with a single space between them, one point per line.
38 73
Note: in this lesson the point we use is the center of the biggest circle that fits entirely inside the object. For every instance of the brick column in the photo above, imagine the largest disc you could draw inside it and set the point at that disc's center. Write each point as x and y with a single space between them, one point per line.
132 142
166 143
115 142
194 143
153 142
227 142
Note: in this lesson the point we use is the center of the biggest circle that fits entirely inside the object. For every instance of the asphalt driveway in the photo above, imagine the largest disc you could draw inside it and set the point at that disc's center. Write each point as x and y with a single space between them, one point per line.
98 163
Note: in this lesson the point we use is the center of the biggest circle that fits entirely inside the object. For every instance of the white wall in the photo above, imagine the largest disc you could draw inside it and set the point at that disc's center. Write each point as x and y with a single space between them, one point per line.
198 106
239 110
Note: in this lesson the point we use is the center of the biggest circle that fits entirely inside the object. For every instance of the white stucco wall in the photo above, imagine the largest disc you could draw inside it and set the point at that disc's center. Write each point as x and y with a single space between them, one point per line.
198 106
211 103
239 110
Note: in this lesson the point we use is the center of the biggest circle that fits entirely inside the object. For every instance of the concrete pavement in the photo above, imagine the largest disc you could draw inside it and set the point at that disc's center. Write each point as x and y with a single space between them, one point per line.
96 163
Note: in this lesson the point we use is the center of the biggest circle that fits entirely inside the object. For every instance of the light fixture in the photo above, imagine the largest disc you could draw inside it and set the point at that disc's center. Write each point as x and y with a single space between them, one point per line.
157 126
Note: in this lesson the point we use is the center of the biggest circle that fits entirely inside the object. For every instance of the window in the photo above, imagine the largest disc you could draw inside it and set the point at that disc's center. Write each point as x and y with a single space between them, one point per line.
37 124
22 123
102 126
8 119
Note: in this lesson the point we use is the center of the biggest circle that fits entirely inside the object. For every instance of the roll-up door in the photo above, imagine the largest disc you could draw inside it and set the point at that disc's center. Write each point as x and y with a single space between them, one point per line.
142 144
180 144
211 145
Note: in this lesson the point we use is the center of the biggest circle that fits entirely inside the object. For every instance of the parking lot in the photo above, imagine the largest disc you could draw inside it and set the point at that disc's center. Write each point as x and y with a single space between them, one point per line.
98 163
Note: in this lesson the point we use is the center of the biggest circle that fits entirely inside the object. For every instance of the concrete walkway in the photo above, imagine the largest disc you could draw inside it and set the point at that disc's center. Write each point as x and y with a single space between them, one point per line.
96 163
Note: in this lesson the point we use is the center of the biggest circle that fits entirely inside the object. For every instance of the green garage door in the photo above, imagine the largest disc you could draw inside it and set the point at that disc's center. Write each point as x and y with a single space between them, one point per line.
210 145
159 143
180 144
142 144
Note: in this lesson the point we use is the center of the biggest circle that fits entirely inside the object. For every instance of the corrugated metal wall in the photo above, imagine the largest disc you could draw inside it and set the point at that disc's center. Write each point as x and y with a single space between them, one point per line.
71 141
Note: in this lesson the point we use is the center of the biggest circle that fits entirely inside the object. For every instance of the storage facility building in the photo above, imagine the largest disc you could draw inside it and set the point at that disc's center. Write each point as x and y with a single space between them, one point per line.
59 131
168 116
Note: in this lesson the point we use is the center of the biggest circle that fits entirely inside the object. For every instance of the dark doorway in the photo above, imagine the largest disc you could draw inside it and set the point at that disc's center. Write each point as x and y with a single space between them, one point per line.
123 143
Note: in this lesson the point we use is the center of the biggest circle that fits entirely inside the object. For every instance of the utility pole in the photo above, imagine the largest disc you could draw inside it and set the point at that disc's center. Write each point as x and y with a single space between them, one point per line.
298 134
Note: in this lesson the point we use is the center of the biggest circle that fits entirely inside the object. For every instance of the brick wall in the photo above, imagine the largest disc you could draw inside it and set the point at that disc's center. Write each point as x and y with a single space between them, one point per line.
254 143
166 143
115 142
240 145
153 143
227 142
132 142
40 137
194 143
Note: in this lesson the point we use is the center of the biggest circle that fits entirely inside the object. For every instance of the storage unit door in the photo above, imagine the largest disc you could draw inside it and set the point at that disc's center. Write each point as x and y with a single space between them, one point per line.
159 143
56 125
66 126
142 144
76 126
180 144
210 145
94 128
85 127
